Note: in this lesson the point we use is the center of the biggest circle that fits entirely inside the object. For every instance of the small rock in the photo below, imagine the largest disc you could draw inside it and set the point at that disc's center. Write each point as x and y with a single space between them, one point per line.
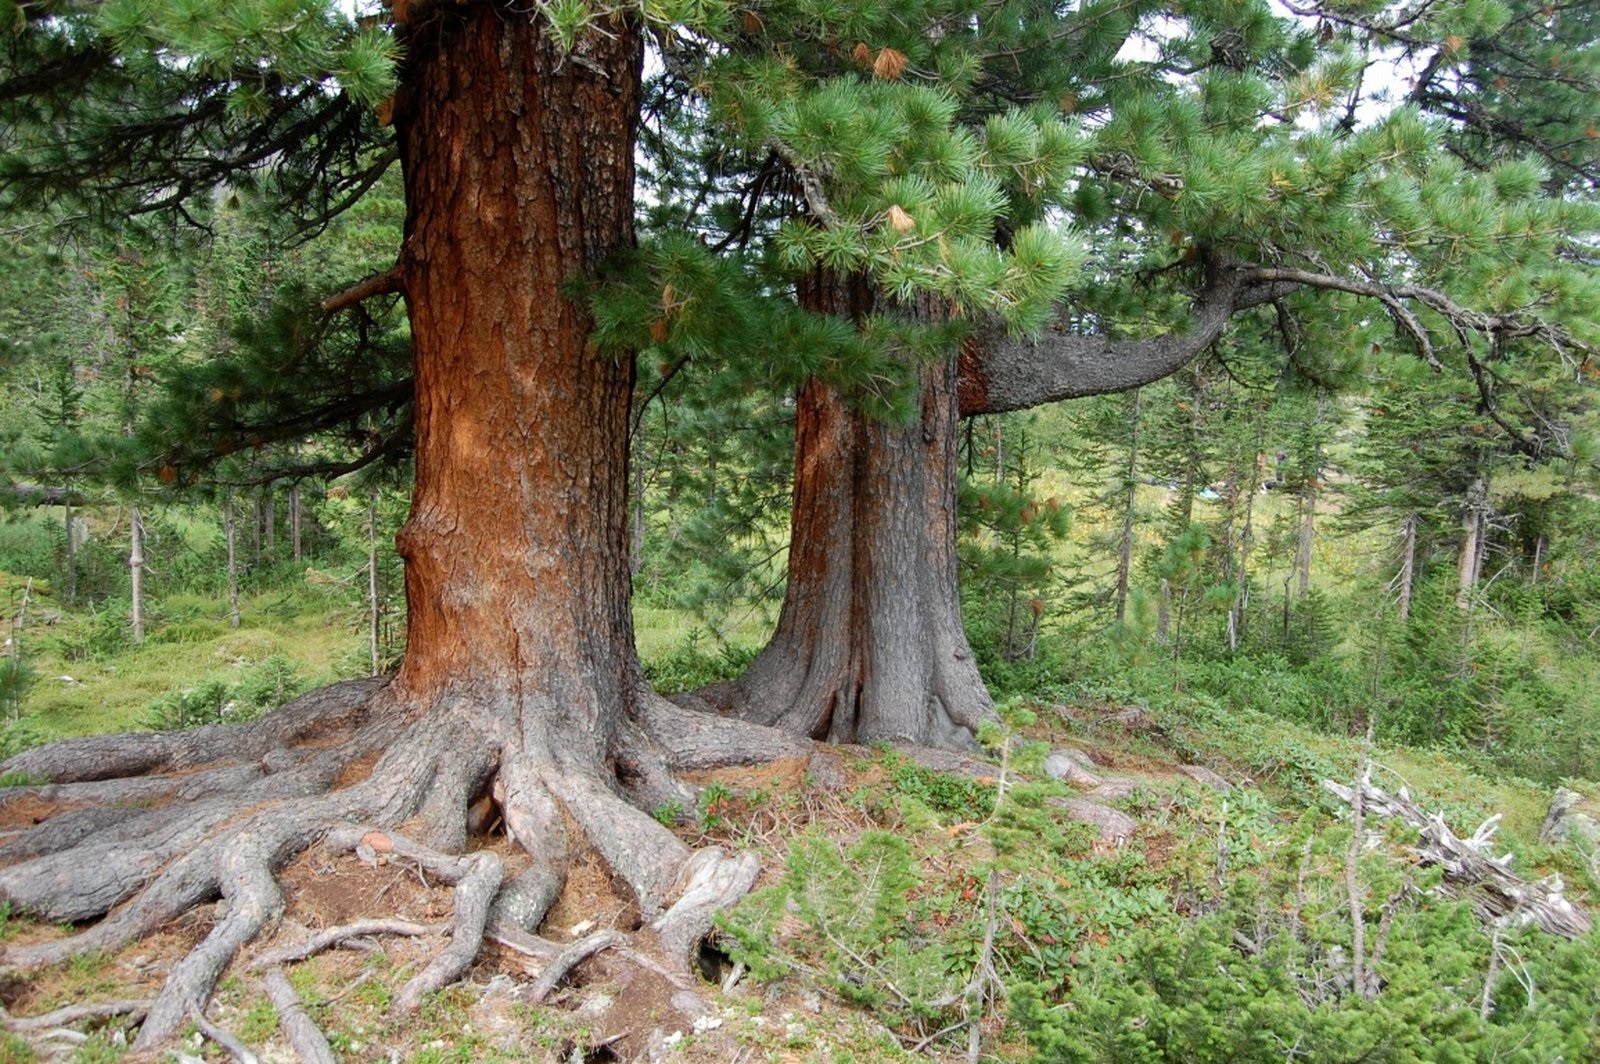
1132 718
499 983
1113 790
1064 766
1206 778
811 1001
690 1004
1572 817
1113 825
596 1006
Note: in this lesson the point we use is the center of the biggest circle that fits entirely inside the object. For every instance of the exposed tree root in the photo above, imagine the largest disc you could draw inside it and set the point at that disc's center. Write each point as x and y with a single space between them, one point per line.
569 959
71 1014
234 1048
140 829
335 936
477 879
306 1038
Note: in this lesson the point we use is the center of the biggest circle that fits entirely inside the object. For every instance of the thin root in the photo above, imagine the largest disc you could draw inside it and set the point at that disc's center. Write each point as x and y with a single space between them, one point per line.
298 1027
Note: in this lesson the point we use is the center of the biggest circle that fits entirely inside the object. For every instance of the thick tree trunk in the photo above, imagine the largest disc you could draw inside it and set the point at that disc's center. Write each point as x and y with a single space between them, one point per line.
518 166
870 644
519 680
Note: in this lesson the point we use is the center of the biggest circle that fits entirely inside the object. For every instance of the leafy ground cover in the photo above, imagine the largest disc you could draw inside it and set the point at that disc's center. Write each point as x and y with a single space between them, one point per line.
908 913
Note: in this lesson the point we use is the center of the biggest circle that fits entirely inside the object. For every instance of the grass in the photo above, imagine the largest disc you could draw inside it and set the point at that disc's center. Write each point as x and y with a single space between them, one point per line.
110 691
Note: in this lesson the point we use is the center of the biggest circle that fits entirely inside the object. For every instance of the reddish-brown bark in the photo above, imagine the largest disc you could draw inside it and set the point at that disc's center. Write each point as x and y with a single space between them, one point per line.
518 166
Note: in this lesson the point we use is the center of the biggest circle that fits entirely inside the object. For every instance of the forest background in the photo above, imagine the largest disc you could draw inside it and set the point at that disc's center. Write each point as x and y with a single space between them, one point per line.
1307 544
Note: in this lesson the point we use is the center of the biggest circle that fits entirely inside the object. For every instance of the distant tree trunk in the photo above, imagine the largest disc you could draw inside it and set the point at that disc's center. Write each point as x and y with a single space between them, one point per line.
255 530
294 522
374 604
1164 611
136 573
1238 612
1129 499
1305 539
1305 535
72 548
230 532
1469 557
1408 565
870 643
269 522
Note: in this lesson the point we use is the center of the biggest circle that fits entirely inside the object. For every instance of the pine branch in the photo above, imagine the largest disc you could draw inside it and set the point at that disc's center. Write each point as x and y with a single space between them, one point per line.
379 284
1000 373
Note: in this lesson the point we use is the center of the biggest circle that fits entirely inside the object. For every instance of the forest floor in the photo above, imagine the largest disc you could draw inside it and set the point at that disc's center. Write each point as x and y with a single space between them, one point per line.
1165 812
1172 779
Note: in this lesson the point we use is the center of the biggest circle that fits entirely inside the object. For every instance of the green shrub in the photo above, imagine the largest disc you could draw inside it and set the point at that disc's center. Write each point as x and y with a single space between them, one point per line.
260 690
692 666
28 547
103 633
1190 992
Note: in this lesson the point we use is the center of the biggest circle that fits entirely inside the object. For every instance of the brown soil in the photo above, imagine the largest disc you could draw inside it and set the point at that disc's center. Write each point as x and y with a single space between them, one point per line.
28 811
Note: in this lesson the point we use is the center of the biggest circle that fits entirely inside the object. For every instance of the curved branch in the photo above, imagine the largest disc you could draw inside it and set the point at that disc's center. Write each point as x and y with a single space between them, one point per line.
1001 373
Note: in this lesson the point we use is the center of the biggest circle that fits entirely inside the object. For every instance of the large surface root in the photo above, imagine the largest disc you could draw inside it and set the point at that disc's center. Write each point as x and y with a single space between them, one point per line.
133 832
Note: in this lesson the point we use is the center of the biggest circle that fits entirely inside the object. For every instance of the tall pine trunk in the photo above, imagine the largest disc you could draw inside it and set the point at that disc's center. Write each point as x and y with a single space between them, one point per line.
870 643
1469 558
518 167
72 547
230 533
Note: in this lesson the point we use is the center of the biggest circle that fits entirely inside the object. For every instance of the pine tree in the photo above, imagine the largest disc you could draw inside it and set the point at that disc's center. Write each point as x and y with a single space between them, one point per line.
888 175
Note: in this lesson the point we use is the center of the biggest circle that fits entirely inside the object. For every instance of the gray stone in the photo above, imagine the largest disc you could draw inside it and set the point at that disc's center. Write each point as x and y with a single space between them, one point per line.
1206 778
1113 790
1069 767
1572 818
1113 825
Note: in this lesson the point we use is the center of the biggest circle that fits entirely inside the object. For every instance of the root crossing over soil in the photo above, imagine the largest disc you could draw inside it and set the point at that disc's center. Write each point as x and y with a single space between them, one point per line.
128 833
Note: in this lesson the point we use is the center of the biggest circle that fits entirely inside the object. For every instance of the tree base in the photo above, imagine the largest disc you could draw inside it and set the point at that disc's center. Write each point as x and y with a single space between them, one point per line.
134 831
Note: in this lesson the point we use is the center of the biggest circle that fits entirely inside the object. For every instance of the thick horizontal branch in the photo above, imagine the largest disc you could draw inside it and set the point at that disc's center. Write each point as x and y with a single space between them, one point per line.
1001 373
40 495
